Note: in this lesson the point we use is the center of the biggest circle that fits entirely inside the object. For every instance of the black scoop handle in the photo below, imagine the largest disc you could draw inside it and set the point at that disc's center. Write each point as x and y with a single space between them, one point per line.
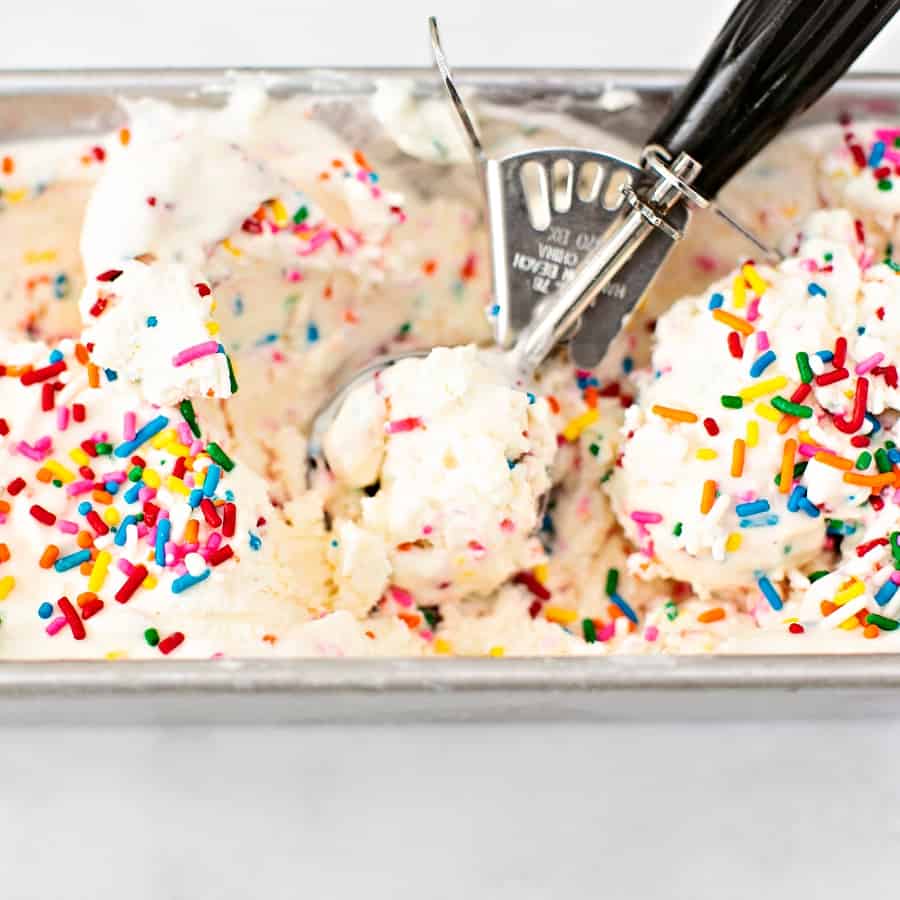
771 60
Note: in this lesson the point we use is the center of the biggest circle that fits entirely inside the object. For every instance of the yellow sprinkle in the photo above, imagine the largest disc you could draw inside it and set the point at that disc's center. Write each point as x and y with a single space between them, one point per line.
212 328
496 651
739 292
706 453
177 449
849 624
7 583
848 593
767 412
806 438
15 196
575 426
98 573
442 646
761 388
231 248
32 257
151 478
111 516
753 432
167 436
540 572
757 283
59 471
177 486
733 542
560 615
113 655
149 582
280 212
79 457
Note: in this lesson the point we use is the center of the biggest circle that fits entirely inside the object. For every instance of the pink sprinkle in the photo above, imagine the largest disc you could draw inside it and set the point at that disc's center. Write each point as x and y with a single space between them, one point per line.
125 566
868 364
606 632
398 595
896 496
507 525
651 633
753 313
427 529
214 541
184 433
315 242
33 453
79 487
189 354
762 340
895 577
118 477
887 134
129 427
401 425
646 518
56 625
143 530
809 265
810 450
146 493
67 527
293 276
43 443
426 634
706 263
648 550
62 418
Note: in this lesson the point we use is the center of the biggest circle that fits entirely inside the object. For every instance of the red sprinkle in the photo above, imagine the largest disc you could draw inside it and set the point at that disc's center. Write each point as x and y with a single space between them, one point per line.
223 553
42 515
133 582
858 156
209 513
16 486
47 372
860 440
75 623
528 580
151 511
711 426
78 412
854 423
863 549
203 289
47 397
228 519
401 425
831 377
801 393
4 427
91 608
167 645
840 352
796 628
109 275
94 520
734 345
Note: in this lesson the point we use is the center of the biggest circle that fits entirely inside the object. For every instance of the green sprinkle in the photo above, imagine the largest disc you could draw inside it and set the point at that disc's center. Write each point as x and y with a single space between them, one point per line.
803 367
594 449
57 483
612 581
405 328
103 449
218 455
189 416
864 460
729 401
671 610
799 469
828 257
677 529
431 615
895 548
232 381
301 215
885 184
883 622
882 461
589 630
890 445
815 576
134 474
151 636
792 409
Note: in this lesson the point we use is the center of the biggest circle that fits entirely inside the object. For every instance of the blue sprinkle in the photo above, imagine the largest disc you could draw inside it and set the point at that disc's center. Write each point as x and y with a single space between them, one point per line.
716 300
825 355
531 398
495 310
373 177
761 363
60 286
187 580
45 610
194 498
150 430
512 463
122 533
131 495
627 365
876 425
624 607
111 487
229 495
152 321
876 154
769 592
56 356
752 507
64 563
894 455
238 305
84 508
860 329
269 338
335 543
111 374
312 332
255 541
163 530
211 481
886 592
816 290
759 523
810 508
797 495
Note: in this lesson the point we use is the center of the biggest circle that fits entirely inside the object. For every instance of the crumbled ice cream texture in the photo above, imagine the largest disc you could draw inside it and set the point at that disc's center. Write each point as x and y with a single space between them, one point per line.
456 461
751 526
152 326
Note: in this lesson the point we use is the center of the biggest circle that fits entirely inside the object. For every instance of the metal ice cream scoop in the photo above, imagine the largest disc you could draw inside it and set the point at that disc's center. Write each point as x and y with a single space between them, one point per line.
572 265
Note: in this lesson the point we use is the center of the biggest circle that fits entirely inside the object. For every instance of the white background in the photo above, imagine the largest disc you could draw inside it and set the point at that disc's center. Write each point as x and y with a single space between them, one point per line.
617 811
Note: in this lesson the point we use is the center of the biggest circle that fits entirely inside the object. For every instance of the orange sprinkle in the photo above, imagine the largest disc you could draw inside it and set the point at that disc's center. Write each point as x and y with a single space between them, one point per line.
870 631
93 375
708 496
787 466
554 403
412 619
86 568
738 451
45 476
429 267
360 159
49 556
84 539
677 415
102 497
324 176
337 164
8 165
711 615
350 317
826 607
190 531
733 321
270 639
833 460
590 396
786 423
81 354
4 553
328 292
4 507
86 597
871 481
124 137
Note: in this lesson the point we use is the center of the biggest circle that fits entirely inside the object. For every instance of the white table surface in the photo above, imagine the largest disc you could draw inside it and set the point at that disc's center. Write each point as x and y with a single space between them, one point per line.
727 810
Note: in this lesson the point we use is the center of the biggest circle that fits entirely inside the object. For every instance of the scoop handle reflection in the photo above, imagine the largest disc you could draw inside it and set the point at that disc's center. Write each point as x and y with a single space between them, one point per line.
771 60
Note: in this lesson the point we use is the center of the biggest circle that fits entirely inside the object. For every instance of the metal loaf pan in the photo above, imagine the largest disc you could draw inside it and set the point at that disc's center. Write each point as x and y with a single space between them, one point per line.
44 104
